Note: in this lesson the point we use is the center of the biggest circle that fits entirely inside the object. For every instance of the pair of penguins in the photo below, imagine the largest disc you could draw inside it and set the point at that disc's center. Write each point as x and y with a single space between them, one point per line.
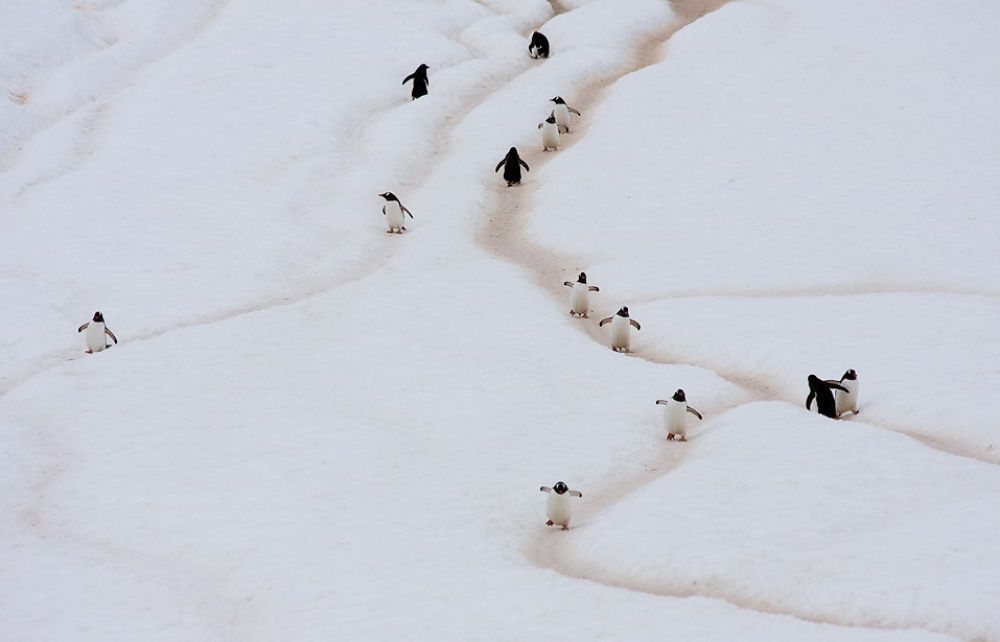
557 123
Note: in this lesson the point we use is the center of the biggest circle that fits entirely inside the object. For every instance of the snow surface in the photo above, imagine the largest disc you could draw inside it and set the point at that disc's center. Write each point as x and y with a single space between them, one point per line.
311 429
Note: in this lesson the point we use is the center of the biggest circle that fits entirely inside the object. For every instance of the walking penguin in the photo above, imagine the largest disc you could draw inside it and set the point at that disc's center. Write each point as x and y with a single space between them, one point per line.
393 211
420 82
562 112
539 47
676 415
579 296
848 401
821 391
550 133
558 507
620 329
512 165
96 331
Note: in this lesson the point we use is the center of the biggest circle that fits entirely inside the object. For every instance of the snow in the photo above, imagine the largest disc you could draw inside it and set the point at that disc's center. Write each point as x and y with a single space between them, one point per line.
311 428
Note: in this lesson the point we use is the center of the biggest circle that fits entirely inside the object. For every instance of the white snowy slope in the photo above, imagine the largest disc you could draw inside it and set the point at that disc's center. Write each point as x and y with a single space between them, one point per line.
312 429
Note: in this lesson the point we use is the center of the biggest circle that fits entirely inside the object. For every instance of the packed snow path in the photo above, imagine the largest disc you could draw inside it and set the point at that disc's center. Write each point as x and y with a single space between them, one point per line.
358 451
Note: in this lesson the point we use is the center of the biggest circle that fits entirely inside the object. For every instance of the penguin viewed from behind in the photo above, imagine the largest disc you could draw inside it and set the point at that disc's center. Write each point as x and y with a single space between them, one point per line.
550 133
512 165
620 329
393 211
579 296
96 331
539 47
676 415
563 111
848 401
420 82
558 507
821 391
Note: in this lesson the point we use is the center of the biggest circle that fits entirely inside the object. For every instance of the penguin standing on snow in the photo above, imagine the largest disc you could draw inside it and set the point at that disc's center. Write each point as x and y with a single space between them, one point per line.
676 415
579 296
96 331
620 330
539 47
558 507
821 391
512 165
848 401
563 111
393 211
550 133
420 82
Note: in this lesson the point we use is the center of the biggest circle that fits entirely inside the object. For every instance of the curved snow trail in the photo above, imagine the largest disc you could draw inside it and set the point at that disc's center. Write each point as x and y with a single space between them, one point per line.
546 268
377 255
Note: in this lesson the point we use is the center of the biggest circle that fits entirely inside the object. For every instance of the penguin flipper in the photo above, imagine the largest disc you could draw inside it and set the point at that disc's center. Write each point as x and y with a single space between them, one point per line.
662 402
111 334
563 129
832 382
523 164
837 386
593 288
545 489
83 327
410 77
539 125
809 399
573 110
695 413
383 210
405 210
635 324
499 165
575 493
603 321
567 284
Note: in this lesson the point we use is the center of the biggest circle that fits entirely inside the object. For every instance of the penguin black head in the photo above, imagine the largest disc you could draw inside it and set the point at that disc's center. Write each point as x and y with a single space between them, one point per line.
679 395
512 153
623 312
560 488
582 278
850 374
557 100
389 196
814 381
551 119
98 317
423 68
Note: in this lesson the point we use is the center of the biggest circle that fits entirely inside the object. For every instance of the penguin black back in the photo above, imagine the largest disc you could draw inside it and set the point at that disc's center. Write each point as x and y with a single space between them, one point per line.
820 390
539 47
512 165
420 81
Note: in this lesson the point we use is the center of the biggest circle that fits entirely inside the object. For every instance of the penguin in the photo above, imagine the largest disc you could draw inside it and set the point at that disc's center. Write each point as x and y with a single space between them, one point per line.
820 389
550 133
393 211
579 296
563 111
848 401
420 82
96 330
558 507
676 415
620 339
512 164
539 47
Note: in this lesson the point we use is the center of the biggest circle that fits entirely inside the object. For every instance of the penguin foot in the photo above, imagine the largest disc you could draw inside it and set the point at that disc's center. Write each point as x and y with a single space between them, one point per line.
565 528
670 436
682 438
89 351
549 523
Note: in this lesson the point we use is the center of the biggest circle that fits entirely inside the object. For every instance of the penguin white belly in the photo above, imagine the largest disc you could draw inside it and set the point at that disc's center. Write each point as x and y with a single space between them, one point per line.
620 333
558 509
847 401
393 216
95 337
562 115
676 418
533 51
579 299
550 136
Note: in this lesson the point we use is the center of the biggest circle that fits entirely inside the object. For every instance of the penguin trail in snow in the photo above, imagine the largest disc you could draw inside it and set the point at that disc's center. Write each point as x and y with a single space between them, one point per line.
621 325
558 507
96 331
676 415
579 296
